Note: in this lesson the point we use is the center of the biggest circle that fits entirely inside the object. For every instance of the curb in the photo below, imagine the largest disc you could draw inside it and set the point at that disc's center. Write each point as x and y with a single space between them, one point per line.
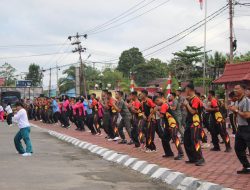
172 178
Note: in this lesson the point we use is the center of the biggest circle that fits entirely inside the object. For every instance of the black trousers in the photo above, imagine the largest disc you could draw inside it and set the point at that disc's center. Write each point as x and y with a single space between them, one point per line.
65 118
192 144
9 118
219 129
242 141
56 116
149 127
233 122
90 123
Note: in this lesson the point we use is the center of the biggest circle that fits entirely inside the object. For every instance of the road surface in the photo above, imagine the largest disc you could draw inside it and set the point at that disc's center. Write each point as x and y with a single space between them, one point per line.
57 165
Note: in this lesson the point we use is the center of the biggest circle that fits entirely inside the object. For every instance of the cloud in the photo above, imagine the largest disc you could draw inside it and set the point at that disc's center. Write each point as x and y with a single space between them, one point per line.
51 21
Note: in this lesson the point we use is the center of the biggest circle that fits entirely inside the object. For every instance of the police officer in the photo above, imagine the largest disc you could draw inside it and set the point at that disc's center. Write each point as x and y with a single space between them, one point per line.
242 138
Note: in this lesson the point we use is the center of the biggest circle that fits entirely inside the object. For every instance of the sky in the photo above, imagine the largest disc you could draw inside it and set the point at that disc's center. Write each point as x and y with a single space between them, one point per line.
45 25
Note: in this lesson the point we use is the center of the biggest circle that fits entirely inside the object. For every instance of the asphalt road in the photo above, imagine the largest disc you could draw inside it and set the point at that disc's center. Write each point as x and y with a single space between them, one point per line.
56 165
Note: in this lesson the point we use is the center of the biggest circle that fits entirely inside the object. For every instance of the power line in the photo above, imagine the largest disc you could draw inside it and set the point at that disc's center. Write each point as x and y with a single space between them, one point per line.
131 19
34 55
29 45
185 30
115 18
182 37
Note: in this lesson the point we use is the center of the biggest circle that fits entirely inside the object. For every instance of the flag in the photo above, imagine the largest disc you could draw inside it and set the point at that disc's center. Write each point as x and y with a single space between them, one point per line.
201 4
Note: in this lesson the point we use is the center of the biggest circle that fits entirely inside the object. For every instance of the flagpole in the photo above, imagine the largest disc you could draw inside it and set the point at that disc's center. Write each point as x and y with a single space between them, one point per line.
205 47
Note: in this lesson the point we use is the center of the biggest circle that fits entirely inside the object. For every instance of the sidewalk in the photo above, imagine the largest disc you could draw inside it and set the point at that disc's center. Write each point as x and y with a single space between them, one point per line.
220 167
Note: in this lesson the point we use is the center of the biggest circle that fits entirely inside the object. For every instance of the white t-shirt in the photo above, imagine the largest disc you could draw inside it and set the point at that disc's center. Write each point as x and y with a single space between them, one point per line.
1 108
21 119
8 109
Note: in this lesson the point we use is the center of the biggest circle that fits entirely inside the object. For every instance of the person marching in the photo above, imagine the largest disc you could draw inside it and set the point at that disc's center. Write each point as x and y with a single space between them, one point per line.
21 118
94 106
106 116
217 124
9 112
136 132
242 137
149 120
123 110
170 126
114 116
193 125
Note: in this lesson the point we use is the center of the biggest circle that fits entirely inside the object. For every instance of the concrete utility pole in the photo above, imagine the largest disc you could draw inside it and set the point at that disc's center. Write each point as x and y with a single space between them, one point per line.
231 30
80 49
49 82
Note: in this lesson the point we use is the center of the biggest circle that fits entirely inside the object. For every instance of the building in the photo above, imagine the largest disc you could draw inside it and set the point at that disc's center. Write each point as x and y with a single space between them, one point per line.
234 74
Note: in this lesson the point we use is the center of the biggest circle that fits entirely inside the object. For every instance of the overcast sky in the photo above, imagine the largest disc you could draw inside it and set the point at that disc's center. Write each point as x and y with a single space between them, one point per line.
52 21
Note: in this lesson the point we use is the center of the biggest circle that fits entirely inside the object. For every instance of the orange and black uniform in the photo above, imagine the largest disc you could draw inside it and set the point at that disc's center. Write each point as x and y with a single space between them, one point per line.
192 131
218 126
170 130
114 117
137 134
149 126
94 106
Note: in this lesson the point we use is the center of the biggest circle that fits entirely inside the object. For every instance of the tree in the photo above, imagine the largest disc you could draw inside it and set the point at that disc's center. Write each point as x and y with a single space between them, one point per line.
216 63
186 64
242 57
7 72
34 74
112 77
128 60
152 69
68 82
189 56
92 77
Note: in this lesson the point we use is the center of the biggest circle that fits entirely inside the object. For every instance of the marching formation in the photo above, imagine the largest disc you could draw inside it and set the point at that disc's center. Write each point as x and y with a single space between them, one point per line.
184 117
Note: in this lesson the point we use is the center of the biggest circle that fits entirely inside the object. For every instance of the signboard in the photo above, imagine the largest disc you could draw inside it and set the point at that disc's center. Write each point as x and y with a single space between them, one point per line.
2 81
23 83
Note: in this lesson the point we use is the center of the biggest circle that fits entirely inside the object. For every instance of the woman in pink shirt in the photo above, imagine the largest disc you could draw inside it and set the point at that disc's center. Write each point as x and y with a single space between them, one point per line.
65 112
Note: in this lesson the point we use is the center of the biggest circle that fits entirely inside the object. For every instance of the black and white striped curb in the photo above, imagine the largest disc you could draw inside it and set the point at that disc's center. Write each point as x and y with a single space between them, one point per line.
174 179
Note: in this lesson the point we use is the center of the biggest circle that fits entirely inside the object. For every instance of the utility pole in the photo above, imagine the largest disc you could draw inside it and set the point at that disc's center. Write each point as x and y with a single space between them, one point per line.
57 85
49 82
231 30
80 49
205 49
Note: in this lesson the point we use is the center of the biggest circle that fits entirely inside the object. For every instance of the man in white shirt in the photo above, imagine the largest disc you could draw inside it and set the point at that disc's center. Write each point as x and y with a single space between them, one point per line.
24 133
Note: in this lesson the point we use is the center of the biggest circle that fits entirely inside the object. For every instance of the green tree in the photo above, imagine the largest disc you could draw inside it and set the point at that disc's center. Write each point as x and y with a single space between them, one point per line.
92 77
34 74
152 69
8 72
128 60
186 64
242 57
217 60
112 77
68 82
190 55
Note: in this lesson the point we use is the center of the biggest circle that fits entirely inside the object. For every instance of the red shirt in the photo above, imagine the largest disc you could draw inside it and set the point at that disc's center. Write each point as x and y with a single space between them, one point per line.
164 108
214 103
94 102
136 104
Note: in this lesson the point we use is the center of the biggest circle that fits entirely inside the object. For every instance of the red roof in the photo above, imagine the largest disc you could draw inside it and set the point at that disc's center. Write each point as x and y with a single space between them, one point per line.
235 73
